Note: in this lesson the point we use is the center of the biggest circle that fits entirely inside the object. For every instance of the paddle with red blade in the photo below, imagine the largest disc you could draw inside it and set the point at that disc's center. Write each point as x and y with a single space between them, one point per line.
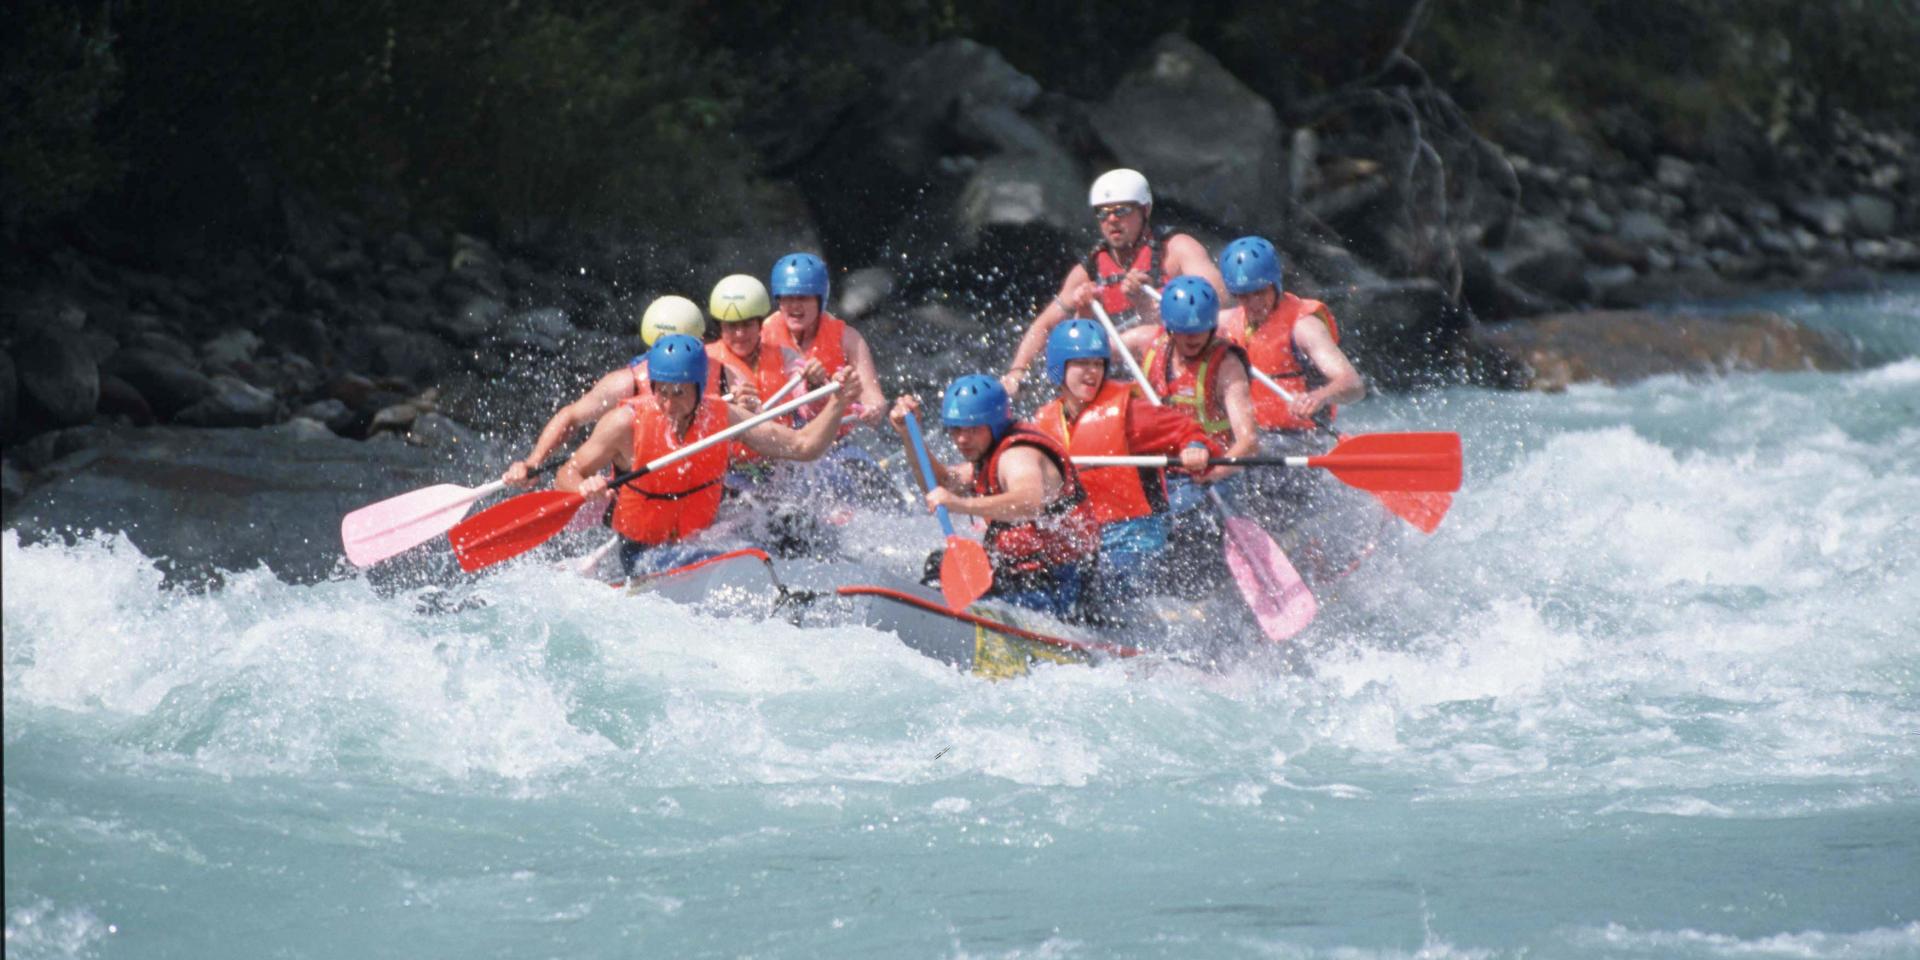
397 524
1267 581
965 572
529 520
1380 462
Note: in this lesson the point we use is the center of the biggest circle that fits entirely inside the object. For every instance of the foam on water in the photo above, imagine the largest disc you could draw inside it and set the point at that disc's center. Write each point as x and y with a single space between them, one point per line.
1664 641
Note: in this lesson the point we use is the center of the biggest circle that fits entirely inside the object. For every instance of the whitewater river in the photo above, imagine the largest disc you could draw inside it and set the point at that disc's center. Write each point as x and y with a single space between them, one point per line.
1653 690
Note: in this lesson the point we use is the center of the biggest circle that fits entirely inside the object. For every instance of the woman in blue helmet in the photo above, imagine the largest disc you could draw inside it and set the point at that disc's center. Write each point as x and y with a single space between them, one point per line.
672 504
1039 537
801 323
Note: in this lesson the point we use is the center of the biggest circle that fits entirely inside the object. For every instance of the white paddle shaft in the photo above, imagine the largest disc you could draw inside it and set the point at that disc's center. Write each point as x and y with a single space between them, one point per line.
1133 366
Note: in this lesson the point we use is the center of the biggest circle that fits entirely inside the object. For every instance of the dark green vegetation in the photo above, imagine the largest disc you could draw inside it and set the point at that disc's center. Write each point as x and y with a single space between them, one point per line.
504 117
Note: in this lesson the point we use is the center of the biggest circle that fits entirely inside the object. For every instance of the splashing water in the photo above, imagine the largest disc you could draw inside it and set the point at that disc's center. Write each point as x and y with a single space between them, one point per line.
1653 690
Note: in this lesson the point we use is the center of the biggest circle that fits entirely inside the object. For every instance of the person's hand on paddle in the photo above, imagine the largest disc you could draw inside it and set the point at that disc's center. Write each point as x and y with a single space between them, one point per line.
519 474
746 396
942 497
815 372
906 403
1136 284
1194 459
1307 404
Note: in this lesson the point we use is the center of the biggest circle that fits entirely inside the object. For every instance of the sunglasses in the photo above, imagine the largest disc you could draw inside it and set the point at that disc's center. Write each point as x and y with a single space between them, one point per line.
1112 210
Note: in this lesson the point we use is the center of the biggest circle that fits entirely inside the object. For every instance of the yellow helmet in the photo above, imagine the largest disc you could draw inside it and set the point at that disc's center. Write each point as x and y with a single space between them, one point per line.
739 297
671 314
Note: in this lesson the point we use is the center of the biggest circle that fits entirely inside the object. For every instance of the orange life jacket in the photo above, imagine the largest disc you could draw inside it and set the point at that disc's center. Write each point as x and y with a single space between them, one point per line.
680 499
1106 272
1113 493
1062 534
1197 389
829 347
1272 349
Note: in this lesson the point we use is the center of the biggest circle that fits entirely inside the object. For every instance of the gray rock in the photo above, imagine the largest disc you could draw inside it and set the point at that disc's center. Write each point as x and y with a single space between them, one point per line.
1400 332
332 411
162 343
438 430
1018 189
1803 240
230 348
404 248
1642 228
1303 160
234 403
540 329
118 398
167 383
306 429
1762 214
1203 138
13 486
470 322
58 376
398 417
1659 261
1588 214
302 333
411 355
1823 214
1602 278
1673 173
1871 251
405 286
1871 215
1775 242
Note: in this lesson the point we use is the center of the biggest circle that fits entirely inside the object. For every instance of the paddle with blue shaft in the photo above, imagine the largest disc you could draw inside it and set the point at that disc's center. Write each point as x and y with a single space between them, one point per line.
397 524
965 572
1266 579
531 519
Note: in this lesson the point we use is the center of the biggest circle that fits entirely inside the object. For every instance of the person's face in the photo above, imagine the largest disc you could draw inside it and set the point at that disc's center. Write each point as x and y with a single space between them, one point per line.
677 399
799 313
1260 302
972 442
1191 345
1084 377
742 337
1120 223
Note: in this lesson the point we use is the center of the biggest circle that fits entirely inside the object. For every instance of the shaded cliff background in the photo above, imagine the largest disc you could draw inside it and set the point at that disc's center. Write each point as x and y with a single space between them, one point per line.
423 224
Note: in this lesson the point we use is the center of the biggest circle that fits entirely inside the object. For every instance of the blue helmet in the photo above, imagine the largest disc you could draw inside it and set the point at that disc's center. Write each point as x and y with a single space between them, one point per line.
1076 339
1250 263
677 358
977 400
801 275
1189 305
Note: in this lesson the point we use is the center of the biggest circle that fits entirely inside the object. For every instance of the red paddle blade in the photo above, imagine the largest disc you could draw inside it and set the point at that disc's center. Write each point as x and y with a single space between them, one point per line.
1419 462
1279 599
512 528
1423 510
965 573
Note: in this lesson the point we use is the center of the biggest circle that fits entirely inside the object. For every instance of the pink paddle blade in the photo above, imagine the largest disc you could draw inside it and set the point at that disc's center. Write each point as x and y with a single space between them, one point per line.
1279 599
397 524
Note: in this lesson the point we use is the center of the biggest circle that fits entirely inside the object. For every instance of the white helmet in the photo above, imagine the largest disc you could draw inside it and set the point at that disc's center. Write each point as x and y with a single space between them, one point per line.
1120 186
739 297
671 314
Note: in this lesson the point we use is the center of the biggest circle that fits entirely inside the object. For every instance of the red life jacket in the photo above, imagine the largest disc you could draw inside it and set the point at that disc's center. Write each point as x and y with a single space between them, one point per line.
1106 272
1272 349
1062 534
680 499
1197 389
1113 493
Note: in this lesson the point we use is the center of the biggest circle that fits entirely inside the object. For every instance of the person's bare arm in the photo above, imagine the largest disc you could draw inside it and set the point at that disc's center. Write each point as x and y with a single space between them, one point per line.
611 443
1238 400
1069 301
781 442
1343 382
1187 257
604 396
860 357
1028 481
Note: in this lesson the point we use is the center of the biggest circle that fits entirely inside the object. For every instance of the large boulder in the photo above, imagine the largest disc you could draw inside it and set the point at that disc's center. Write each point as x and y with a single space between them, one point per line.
168 383
1399 333
59 382
1204 139
1624 346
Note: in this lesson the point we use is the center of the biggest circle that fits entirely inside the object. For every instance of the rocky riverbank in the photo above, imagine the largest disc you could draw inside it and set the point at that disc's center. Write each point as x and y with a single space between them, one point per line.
949 195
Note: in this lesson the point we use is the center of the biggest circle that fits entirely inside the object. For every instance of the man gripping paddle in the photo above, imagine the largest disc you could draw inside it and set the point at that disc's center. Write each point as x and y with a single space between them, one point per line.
1022 483
674 503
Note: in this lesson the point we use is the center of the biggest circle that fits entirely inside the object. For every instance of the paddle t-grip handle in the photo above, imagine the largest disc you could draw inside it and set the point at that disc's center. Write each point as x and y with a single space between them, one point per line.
926 469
